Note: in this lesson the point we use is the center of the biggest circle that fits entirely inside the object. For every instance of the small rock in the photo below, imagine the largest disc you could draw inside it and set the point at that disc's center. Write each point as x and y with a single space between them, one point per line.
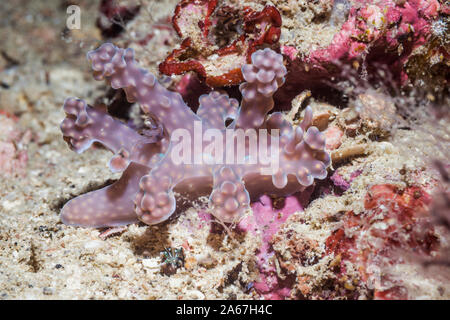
47 291
190 263
94 244
333 137
206 261
348 152
321 120
195 295
150 263
175 283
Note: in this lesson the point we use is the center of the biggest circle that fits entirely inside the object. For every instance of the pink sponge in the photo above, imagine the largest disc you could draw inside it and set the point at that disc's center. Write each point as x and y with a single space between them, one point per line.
265 223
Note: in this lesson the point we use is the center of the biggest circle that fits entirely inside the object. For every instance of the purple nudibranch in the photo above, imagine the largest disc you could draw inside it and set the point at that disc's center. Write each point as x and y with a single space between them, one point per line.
151 173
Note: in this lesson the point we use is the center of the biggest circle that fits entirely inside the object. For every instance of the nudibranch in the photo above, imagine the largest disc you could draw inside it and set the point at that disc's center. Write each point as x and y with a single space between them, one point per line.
239 151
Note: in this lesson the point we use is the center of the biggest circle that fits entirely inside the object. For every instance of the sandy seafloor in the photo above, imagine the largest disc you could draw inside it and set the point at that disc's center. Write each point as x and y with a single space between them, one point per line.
41 258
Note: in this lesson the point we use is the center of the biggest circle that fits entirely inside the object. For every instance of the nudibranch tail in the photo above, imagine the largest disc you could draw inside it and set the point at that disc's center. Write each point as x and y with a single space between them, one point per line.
108 207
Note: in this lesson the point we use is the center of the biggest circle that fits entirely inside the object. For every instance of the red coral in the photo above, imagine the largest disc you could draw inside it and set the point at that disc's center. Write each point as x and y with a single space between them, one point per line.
220 39
390 222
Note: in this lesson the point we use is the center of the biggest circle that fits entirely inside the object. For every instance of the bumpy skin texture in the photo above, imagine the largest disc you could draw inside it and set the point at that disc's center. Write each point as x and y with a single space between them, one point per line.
85 125
301 150
215 108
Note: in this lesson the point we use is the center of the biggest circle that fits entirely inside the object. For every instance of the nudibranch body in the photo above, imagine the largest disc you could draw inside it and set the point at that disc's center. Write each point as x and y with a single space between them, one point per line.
256 153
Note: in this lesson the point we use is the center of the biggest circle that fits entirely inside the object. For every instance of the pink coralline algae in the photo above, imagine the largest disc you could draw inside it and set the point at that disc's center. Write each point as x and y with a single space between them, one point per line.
340 182
151 171
383 32
265 222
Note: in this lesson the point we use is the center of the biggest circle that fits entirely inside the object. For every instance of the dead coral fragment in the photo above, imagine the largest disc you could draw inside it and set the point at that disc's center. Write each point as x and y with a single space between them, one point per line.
348 152
219 39
369 240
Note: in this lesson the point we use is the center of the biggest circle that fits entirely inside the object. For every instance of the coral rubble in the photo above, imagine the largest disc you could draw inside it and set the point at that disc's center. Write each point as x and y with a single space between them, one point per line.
370 240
